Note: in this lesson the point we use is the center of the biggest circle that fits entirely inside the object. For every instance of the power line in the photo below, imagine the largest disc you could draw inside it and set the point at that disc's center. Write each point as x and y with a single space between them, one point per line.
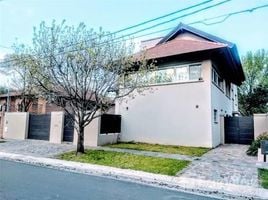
207 19
176 18
159 24
161 17
141 23
226 16
155 25
148 21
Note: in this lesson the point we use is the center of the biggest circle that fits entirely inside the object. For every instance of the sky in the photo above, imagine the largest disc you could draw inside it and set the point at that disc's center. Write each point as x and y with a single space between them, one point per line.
249 31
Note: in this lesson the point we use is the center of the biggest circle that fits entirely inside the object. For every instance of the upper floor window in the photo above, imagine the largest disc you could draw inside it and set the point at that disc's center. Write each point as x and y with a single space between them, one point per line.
195 72
174 74
217 79
228 89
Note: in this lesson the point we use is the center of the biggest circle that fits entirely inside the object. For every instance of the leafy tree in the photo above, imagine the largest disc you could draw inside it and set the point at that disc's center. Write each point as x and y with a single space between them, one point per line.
81 70
254 102
253 93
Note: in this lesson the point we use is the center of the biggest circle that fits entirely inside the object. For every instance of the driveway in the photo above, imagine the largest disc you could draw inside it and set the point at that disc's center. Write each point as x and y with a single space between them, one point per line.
37 148
225 164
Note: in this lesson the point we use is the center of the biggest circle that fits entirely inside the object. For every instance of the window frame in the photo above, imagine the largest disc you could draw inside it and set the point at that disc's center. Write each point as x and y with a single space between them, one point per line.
228 89
216 80
174 79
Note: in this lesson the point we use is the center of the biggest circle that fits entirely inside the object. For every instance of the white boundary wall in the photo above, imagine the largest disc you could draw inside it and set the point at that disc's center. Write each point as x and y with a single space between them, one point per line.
92 136
260 124
56 127
16 125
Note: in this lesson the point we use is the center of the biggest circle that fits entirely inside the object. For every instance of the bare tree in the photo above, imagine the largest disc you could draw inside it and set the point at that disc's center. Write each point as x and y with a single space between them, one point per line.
21 80
82 71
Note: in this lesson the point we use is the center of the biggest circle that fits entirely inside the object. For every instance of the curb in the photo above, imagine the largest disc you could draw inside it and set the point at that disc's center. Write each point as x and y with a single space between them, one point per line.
200 187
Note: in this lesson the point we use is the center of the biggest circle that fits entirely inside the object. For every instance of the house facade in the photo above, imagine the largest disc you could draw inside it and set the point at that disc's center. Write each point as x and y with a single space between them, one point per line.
195 83
11 102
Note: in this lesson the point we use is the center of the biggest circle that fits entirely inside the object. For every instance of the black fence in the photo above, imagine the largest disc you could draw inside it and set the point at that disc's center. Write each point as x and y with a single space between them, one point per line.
239 130
110 124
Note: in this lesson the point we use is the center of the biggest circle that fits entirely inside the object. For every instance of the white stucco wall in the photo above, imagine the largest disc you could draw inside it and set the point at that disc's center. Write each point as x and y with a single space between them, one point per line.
92 136
260 124
16 125
109 138
91 132
174 114
224 106
56 127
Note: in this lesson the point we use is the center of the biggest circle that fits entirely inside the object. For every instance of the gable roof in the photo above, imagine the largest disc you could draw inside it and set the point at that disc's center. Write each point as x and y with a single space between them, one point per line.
182 28
220 51
178 46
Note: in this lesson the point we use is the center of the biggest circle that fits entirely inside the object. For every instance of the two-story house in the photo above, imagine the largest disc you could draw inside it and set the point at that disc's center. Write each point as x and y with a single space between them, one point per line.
201 74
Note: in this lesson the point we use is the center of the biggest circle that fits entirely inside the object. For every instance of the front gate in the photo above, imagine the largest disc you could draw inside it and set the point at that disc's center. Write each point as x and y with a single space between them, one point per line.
239 130
68 131
39 126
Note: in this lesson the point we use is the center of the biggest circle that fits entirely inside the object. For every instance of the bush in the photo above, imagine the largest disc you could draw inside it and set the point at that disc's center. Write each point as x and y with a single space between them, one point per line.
253 149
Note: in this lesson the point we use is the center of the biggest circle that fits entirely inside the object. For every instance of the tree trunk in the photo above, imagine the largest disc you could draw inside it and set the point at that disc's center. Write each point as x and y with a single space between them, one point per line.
80 141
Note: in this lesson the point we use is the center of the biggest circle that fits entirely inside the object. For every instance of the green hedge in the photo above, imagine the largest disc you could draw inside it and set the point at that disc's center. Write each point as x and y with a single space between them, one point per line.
253 149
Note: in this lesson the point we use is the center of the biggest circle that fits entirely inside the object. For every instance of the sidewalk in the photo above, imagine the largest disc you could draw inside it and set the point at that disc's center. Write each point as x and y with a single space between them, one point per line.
225 164
211 188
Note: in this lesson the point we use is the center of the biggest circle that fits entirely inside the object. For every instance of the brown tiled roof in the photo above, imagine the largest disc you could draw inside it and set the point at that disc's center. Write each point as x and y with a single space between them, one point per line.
180 46
11 94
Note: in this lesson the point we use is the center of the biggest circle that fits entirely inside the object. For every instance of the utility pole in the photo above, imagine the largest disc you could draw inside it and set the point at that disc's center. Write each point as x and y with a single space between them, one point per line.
8 96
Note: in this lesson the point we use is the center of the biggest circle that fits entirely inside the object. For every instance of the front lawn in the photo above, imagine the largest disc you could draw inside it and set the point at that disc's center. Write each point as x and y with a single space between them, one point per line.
190 151
128 161
263 177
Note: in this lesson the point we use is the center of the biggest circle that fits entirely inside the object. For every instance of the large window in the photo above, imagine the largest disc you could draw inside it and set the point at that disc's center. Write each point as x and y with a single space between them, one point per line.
174 74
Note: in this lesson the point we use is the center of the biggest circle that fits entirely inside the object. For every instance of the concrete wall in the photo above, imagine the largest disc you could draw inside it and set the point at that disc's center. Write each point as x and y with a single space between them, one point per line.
92 136
224 106
16 125
260 124
174 114
109 138
56 127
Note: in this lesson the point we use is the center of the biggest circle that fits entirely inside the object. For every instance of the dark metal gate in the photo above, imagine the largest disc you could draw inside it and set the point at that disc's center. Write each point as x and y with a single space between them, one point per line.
68 131
39 126
110 124
239 130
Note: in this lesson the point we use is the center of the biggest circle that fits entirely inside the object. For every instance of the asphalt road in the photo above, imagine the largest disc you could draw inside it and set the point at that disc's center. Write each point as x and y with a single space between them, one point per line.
26 182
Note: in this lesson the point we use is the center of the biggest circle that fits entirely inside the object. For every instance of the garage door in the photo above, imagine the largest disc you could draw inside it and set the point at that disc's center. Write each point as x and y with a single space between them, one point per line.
39 126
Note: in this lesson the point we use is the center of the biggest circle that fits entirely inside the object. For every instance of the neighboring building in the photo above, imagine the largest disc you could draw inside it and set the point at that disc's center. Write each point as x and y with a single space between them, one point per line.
12 101
195 83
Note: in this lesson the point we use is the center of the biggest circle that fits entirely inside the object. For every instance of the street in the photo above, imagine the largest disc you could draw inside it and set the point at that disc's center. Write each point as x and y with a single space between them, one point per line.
20 181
